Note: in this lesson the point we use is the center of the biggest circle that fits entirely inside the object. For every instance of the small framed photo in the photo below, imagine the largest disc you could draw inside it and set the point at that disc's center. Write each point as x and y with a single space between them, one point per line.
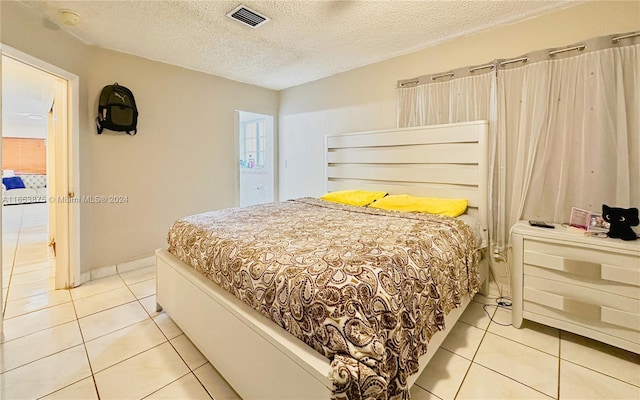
598 224
580 219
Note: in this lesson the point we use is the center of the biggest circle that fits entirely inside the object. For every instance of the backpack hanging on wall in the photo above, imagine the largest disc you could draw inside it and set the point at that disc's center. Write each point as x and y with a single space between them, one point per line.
117 110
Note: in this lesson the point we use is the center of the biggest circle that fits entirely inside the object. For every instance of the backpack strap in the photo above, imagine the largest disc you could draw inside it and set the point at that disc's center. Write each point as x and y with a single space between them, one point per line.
99 127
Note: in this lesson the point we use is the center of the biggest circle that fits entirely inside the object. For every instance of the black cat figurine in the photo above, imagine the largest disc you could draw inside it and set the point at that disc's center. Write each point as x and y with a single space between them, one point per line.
621 220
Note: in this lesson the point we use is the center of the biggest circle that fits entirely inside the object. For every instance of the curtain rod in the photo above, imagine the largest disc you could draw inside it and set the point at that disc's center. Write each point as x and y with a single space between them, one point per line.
412 82
425 78
446 74
474 69
578 47
515 60
629 35
416 82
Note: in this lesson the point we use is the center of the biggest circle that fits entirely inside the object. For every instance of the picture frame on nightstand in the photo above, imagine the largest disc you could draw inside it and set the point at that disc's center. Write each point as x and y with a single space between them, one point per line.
598 226
580 218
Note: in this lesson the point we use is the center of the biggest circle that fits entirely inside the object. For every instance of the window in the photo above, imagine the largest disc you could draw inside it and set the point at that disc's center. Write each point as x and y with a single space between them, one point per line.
252 145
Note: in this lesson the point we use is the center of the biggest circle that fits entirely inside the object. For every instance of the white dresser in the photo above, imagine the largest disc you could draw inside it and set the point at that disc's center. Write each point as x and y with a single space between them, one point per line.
586 285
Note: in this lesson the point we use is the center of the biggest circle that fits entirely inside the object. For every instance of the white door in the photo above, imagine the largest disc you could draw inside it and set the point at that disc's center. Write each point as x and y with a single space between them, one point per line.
256 158
59 190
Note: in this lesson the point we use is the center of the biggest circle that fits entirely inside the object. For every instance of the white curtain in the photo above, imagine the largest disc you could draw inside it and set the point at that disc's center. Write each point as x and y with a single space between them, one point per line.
456 100
566 133
571 133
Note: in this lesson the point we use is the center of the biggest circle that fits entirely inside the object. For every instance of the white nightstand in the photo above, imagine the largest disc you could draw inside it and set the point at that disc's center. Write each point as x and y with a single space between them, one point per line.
586 285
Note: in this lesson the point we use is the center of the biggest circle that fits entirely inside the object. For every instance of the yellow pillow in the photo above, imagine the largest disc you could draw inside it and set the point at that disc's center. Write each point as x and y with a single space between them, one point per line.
404 202
353 197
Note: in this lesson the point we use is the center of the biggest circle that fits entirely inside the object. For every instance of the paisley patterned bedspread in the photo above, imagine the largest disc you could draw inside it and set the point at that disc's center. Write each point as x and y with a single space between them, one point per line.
366 288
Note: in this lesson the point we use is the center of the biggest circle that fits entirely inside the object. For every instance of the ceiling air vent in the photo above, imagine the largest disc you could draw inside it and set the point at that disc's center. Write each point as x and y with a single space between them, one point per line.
247 16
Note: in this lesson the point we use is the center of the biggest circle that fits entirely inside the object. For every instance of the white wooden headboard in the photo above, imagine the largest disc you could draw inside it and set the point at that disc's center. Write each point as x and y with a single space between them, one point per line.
447 161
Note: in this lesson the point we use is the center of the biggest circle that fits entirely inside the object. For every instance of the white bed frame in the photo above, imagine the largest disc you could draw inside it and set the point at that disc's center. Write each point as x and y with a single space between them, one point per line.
258 358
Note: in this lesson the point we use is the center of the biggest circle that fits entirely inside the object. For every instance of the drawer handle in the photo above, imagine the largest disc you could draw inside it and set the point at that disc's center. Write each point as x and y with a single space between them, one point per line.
615 273
620 318
558 263
565 304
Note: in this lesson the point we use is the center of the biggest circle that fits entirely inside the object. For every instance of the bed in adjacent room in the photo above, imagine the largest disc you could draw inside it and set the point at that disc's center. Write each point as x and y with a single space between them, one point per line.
314 299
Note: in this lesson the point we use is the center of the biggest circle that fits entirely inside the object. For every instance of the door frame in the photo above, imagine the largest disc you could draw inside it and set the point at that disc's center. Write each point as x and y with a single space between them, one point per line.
67 274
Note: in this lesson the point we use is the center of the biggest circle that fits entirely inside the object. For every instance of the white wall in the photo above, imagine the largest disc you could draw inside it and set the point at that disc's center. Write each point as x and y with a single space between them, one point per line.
182 161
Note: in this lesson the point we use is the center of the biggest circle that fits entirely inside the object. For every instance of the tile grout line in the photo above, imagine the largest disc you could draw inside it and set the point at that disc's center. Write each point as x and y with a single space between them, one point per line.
559 362
191 371
202 384
84 344
129 358
474 354
522 344
40 330
15 251
173 381
590 368
600 372
108 308
516 341
523 384
497 372
559 356
117 330
43 357
486 329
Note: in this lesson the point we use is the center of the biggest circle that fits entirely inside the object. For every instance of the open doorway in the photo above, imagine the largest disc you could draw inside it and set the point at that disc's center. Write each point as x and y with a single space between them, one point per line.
256 158
39 141
28 263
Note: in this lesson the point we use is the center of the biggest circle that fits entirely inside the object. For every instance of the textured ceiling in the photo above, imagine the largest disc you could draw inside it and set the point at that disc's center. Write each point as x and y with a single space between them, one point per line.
304 41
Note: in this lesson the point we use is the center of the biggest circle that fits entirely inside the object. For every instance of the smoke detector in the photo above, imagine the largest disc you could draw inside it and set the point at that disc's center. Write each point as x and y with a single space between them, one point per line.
69 17
248 17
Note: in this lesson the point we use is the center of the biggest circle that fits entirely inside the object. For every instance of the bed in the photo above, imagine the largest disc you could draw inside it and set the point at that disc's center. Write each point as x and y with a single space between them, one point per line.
266 353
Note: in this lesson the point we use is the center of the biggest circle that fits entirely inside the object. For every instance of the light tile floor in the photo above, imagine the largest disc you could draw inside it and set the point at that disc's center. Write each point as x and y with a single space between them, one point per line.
105 340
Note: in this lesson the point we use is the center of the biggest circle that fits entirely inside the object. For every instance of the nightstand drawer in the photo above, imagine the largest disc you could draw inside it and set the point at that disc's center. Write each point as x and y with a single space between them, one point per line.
571 258
618 273
576 299
612 321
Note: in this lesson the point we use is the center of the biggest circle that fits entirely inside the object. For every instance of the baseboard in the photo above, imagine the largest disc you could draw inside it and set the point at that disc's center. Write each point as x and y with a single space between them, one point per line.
136 264
110 270
84 278
103 272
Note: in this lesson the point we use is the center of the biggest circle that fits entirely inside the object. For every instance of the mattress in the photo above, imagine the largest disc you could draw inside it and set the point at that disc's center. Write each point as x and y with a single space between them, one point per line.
365 288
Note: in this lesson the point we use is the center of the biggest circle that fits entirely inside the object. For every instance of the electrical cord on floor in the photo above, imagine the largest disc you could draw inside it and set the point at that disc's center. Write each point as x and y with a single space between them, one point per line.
501 302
